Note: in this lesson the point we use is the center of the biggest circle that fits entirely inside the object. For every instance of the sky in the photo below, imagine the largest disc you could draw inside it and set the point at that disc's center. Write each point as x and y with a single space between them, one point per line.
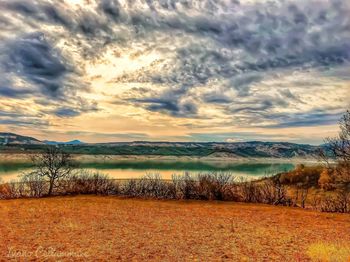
174 70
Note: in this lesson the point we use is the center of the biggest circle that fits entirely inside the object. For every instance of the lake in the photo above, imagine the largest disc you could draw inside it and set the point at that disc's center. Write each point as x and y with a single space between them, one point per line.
136 169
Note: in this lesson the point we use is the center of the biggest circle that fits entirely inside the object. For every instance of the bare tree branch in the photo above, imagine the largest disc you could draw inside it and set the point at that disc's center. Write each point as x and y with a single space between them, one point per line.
53 164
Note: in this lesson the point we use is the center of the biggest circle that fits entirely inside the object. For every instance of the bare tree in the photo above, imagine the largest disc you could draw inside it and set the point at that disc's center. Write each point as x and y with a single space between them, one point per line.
53 164
339 148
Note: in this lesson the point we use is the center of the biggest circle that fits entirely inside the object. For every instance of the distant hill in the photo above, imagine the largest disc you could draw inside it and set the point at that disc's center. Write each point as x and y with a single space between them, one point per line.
11 138
217 149
253 149
14 139
73 142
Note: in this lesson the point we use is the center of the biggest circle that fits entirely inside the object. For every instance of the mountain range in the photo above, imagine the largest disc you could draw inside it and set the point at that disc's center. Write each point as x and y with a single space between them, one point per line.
13 142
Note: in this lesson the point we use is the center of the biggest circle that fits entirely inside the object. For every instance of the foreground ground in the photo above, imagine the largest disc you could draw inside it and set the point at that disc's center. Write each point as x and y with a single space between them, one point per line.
90 228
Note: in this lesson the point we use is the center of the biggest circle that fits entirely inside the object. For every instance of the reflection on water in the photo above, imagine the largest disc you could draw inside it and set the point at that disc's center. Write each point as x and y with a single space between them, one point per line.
137 169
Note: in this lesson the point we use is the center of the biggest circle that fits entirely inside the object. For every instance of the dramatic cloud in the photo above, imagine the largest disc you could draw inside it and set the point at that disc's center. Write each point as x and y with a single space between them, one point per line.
32 67
241 47
313 118
33 59
18 116
13 92
192 64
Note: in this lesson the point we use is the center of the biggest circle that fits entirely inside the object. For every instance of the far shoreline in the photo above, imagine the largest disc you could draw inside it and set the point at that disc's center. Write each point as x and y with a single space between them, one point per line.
25 157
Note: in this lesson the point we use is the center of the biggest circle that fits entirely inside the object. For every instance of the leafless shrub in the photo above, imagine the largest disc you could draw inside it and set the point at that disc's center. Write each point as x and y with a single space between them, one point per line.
208 186
339 203
302 175
325 181
11 190
281 196
316 202
300 195
153 186
266 191
32 185
149 186
186 186
4 191
304 194
86 182
247 190
130 188
215 186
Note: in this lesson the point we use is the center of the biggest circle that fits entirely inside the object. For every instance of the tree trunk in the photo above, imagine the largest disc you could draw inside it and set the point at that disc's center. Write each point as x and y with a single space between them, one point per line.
50 187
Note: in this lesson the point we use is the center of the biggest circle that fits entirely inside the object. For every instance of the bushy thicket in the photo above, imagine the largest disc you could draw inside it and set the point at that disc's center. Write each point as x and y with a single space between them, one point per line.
338 202
302 175
204 186
34 185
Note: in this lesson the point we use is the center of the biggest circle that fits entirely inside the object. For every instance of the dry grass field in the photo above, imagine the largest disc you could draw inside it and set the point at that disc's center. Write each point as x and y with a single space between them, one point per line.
91 228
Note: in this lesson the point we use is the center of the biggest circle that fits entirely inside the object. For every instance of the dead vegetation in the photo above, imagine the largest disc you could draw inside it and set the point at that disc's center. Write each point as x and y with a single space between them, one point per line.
205 186
92 228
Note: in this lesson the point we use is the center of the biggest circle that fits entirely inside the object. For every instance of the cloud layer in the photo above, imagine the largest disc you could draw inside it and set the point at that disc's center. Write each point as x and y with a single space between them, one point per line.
193 63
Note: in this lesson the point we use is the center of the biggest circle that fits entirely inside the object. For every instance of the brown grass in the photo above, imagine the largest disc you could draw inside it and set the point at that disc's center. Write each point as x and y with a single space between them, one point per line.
92 228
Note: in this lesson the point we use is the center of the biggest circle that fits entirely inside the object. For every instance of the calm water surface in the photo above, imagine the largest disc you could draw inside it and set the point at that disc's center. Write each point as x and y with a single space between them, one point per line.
136 169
